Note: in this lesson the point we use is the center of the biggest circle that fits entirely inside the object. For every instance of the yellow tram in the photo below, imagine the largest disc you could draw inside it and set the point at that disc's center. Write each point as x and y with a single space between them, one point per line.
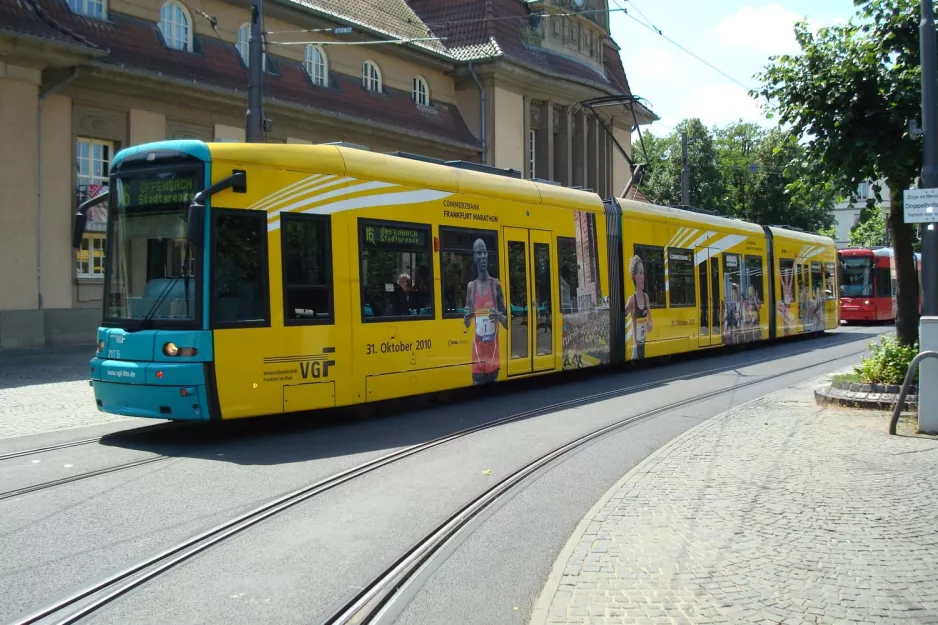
254 279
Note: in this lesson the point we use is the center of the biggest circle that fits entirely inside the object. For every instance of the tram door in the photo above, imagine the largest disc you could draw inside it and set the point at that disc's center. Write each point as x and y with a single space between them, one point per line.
528 293
709 305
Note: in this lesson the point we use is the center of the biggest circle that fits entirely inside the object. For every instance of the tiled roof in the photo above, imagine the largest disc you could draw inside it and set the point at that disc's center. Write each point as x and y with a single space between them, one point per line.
480 29
636 194
31 18
137 44
468 30
389 17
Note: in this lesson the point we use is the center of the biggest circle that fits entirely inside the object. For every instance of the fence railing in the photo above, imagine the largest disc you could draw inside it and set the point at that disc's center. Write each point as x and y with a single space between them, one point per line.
909 376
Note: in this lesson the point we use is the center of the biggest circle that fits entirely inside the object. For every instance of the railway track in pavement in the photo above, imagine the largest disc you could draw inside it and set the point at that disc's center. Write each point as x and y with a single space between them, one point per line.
386 594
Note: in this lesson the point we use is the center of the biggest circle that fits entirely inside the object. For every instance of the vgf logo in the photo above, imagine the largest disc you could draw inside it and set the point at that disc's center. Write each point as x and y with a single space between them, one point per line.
315 368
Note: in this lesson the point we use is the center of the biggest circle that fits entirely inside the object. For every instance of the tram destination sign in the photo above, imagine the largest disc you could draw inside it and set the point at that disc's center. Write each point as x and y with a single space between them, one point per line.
176 187
920 206
395 236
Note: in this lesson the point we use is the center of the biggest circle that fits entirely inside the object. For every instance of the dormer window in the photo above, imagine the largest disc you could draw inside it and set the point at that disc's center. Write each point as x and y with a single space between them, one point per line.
316 64
89 8
421 91
371 76
175 25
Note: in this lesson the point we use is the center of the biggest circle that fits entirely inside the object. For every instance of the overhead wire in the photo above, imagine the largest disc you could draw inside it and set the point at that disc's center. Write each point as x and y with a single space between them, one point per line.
650 26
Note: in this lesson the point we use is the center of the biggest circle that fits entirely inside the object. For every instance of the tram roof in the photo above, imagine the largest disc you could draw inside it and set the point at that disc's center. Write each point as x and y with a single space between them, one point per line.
670 214
426 174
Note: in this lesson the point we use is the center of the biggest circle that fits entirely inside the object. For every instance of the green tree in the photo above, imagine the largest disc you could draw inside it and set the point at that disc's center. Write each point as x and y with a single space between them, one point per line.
851 92
736 146
663 182
807 206
870 229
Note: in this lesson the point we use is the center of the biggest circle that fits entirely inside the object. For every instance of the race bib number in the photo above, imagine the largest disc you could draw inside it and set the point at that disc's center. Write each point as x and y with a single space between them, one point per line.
485 328
640 331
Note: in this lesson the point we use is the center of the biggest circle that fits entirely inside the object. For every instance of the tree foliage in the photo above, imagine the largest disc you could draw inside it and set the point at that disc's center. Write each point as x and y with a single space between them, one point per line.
870 229
663 183
851 92
741 170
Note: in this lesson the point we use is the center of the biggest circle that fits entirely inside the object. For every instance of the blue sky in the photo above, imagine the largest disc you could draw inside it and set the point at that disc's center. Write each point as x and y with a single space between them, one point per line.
737 36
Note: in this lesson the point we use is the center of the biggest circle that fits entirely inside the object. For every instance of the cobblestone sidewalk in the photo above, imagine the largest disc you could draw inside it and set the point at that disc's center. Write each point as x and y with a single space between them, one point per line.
778 512
47 390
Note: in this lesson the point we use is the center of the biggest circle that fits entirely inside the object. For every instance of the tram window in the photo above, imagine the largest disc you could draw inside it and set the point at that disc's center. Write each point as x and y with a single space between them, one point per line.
307 268
786 271
653 266
732 279
396 271
883 281
458 266
817 281
801 288
681 277
239 269
753 281
831 280
569 271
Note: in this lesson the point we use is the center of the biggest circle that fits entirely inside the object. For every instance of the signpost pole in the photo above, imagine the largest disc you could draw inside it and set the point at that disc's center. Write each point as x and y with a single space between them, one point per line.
928 328
930 155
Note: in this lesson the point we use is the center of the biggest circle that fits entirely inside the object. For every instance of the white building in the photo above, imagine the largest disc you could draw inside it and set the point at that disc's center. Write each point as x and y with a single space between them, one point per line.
847 213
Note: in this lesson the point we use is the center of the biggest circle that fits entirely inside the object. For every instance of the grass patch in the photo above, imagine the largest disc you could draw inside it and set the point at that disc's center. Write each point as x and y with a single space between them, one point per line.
849 378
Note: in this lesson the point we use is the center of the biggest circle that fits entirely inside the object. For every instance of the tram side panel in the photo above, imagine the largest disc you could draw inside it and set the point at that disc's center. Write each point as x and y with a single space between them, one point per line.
804 268
471 290
279 295
691 285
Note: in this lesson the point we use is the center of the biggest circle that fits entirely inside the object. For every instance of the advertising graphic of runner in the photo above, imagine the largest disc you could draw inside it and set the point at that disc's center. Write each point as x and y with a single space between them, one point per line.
639 307
485 302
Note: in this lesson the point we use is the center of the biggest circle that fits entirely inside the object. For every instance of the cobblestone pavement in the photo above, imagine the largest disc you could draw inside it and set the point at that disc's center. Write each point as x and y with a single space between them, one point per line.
778 512
47 390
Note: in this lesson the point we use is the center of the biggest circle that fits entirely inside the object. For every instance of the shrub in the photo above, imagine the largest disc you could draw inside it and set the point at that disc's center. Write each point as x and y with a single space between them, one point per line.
888 363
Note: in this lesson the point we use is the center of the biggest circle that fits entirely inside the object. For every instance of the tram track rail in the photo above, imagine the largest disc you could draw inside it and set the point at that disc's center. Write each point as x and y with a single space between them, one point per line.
16 492
381 597
149 429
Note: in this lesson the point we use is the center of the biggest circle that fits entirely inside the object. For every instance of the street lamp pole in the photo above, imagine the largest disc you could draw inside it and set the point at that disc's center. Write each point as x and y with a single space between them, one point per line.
685 172
254 131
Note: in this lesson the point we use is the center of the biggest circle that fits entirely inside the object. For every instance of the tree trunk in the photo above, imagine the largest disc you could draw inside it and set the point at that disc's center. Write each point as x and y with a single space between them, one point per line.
906 278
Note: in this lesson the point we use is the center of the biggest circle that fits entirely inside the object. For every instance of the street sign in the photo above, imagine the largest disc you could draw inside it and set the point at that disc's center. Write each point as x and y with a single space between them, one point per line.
921 206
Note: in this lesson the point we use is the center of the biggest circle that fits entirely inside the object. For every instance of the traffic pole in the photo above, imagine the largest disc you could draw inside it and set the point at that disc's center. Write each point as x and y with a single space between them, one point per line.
928 324
929 53
685 172
254 131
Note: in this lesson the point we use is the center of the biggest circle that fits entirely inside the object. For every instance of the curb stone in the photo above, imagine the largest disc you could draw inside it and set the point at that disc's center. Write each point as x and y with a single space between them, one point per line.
541 612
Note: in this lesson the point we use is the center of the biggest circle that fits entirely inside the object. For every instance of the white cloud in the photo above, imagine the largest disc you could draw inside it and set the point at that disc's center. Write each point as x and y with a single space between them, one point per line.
767 29
720 104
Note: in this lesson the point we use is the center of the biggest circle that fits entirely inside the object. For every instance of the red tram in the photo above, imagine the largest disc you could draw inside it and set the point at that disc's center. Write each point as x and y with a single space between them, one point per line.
868 284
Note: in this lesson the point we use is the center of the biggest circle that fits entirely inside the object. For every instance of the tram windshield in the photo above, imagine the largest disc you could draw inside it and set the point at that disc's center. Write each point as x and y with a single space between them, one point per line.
151 271
857 277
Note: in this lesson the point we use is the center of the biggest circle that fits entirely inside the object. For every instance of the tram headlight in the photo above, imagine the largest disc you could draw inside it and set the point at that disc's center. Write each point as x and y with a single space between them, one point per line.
866 302
100 346
170 349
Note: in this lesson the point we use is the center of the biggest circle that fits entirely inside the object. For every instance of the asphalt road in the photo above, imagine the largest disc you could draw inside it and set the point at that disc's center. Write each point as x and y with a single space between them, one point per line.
301 564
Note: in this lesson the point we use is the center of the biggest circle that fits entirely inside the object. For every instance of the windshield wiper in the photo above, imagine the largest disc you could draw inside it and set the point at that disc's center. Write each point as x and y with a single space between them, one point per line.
157 303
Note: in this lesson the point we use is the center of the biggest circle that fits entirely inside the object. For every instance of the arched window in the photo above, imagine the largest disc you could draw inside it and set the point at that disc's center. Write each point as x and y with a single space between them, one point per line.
175 25
317 65
244 37
244 46
89 8
421 92
371 76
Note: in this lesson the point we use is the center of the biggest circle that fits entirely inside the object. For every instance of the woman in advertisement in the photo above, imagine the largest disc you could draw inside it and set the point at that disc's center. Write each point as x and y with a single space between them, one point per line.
639 308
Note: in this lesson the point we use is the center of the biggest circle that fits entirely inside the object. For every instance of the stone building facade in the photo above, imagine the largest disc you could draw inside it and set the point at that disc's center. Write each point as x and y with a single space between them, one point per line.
496 81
